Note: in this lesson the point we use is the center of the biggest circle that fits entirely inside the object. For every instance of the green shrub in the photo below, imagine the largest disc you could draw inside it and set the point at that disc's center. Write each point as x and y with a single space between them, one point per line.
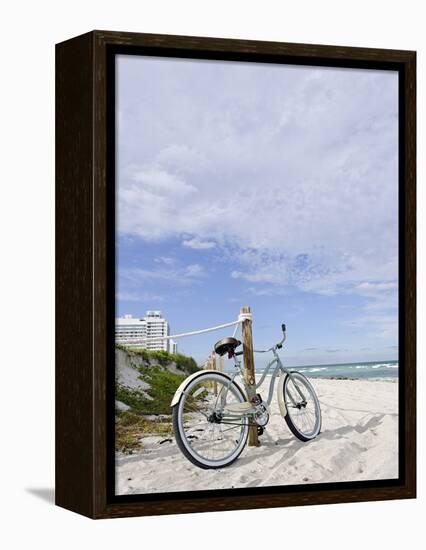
183 362
163 385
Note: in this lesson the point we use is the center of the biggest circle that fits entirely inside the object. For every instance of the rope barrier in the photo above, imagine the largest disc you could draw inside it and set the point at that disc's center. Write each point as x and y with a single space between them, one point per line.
241 317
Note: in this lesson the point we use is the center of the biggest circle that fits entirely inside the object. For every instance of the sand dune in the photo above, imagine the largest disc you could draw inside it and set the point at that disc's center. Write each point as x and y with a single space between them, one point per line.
358 441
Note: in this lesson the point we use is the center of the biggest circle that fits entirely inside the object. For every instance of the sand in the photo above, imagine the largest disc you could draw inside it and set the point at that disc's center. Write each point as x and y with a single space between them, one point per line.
358 441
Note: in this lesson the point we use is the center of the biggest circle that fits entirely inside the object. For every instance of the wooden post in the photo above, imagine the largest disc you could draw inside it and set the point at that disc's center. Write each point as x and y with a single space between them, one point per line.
249 372
214 366
221 365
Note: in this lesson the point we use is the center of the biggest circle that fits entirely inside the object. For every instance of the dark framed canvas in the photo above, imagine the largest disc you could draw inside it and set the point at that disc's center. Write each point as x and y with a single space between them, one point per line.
196 176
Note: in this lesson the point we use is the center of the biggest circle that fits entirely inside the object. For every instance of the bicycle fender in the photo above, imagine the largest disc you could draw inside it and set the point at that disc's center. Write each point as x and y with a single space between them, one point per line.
181 388
280 394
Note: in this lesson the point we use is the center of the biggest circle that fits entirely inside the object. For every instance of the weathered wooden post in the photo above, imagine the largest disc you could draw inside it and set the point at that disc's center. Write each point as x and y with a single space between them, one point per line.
214 366
249 371
221 364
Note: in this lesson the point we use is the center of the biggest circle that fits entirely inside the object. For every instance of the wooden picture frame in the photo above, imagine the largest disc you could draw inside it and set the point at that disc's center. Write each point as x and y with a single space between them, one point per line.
85 272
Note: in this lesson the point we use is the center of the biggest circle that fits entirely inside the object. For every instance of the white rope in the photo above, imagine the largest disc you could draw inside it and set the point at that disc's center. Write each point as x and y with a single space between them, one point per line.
241 317
244 317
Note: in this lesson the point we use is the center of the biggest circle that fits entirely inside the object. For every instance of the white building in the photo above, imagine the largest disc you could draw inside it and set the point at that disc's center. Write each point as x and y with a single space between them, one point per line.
133 332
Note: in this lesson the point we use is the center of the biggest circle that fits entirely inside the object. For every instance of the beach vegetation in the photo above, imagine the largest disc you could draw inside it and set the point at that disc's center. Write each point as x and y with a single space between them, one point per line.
149 410
131 427
183 362
157 398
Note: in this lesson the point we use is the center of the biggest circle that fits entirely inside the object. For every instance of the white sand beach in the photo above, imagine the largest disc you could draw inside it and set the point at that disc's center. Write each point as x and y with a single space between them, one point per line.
358 441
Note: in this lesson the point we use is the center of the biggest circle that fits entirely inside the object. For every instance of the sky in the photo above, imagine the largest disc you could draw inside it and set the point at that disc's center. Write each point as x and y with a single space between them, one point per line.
272 186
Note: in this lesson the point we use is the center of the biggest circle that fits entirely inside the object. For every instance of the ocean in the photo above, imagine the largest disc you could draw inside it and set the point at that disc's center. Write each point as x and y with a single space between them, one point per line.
375 369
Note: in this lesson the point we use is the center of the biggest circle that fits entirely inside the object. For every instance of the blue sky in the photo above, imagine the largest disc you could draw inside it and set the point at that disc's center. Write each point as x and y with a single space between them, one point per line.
264 185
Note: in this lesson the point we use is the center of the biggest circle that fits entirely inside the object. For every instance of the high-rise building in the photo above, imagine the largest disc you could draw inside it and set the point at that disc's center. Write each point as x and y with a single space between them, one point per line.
145 332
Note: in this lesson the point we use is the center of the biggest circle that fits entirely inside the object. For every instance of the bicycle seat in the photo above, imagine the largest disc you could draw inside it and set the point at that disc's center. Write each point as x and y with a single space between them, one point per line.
226 345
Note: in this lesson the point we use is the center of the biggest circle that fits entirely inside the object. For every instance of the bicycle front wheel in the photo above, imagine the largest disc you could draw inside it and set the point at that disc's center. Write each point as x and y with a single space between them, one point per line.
303 409
210 421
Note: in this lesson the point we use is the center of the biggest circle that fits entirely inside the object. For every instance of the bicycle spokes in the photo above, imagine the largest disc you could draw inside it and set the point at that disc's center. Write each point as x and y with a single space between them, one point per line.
212 420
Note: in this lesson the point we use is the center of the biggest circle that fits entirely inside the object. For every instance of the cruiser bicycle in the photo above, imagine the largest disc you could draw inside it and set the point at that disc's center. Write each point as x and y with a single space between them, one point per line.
212 414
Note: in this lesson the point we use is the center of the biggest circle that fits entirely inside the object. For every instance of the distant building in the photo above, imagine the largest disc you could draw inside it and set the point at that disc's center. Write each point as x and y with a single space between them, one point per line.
133 332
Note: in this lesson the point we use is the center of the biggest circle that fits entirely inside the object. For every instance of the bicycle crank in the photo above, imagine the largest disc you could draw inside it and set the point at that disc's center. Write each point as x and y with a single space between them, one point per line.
261 415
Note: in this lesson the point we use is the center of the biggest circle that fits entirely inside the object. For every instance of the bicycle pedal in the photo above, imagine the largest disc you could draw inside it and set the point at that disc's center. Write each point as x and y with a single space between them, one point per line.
260 430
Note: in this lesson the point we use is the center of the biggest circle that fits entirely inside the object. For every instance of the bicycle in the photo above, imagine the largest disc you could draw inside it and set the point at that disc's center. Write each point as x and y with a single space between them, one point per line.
212 414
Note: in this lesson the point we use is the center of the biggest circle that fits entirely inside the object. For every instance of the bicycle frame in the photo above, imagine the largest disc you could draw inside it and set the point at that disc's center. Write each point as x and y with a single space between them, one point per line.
279 370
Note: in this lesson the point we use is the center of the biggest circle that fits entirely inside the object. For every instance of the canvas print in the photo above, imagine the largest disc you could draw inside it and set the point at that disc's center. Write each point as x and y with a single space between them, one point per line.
256 309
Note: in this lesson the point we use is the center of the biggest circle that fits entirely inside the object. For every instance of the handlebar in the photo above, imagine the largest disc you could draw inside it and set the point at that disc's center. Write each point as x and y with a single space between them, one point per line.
277 346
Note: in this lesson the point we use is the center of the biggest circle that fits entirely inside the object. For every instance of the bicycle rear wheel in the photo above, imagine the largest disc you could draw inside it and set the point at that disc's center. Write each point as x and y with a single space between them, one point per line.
209 421
303 409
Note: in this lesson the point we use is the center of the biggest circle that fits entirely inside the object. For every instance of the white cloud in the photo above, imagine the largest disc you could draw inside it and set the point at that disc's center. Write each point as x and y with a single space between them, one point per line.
290 172
377 326
178 157
167 274
158 180
137 296
374 287
164 260
198 244
194 270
